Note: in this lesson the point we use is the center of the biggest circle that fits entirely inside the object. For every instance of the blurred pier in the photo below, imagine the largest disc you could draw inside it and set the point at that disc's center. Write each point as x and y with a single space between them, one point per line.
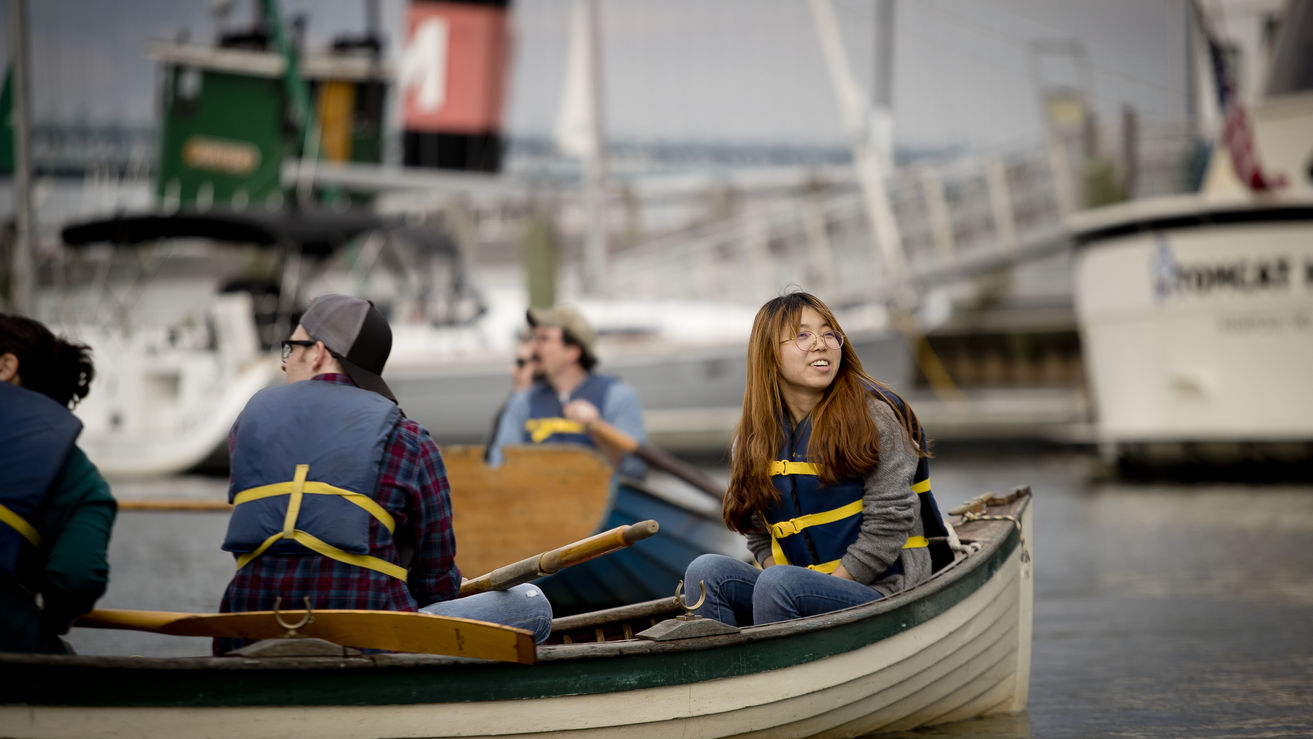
983 299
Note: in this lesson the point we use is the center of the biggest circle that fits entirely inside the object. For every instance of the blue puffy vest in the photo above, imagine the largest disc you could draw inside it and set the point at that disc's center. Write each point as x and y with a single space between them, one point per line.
305 462
36 437
813 524
546 423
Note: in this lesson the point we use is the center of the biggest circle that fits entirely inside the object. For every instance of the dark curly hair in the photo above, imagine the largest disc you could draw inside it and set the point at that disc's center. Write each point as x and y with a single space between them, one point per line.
59 369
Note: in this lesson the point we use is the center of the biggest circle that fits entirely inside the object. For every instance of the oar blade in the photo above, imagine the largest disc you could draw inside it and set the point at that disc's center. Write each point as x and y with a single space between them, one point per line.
395 631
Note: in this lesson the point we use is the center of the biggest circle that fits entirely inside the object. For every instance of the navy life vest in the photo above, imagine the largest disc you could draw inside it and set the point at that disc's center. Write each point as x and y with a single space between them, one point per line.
36 437
813 524
305 462
546 424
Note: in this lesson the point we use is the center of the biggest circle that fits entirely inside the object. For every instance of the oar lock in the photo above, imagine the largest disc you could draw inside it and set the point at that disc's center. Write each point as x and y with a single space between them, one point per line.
682 603
306 620
688 624
292 643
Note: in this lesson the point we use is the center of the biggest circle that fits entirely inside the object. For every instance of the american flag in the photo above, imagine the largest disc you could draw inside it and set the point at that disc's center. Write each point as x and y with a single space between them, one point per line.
1236 134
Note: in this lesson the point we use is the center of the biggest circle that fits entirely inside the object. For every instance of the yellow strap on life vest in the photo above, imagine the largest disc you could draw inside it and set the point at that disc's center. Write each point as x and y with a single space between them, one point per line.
794 525
294 500
913 542
541 428
19 524
318 488
315 544
777 552
296 489
783 467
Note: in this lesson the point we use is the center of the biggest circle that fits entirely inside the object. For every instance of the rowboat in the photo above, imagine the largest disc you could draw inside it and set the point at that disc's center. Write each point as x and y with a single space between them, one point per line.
953 648
561 493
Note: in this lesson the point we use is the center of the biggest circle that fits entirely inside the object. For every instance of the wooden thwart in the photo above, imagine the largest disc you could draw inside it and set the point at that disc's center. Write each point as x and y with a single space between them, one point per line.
395 631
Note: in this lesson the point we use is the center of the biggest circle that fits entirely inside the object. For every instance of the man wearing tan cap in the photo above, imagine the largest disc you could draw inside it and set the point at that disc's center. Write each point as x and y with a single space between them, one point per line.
376 531
557 409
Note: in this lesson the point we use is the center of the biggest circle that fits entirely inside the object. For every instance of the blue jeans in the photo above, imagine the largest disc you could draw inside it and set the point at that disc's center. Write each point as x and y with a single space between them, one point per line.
523 607
741 595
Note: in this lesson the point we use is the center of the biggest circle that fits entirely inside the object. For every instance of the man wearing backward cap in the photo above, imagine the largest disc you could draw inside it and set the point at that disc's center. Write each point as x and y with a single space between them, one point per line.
372 524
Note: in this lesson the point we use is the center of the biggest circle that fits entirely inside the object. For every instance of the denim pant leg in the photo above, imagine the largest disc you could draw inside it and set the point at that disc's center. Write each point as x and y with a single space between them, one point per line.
523 607
729 584
785 591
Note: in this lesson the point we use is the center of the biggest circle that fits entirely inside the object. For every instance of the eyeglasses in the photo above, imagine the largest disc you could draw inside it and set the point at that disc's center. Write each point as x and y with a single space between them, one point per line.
289 343
806 340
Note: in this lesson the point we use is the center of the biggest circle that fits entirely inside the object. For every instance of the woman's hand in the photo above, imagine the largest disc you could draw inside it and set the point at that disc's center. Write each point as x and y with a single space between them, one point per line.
841 572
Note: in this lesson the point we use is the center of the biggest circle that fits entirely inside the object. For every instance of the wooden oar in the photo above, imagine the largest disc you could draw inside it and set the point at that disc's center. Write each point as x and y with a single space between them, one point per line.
396 631
609 434
555 560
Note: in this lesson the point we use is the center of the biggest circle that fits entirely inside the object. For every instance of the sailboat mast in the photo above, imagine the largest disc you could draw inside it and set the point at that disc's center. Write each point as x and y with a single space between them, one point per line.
596 277
864 137
882 93
22 281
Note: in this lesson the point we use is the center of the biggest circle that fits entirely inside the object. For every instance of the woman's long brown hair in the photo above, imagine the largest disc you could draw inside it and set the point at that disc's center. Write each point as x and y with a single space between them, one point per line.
844 439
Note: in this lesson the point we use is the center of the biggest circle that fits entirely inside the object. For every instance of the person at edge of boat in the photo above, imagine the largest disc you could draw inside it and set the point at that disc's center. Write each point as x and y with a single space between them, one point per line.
56 510
524 372
376 531
558 408
829 479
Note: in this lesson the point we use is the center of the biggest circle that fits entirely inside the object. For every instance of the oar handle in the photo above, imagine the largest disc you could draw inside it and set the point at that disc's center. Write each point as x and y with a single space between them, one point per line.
555 560
613 436
657 458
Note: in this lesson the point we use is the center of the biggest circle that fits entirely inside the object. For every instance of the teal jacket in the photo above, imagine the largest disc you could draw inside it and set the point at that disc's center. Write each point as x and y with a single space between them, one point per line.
70 571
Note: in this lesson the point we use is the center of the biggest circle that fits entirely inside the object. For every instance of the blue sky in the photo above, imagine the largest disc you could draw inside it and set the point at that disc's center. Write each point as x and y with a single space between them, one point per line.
747 71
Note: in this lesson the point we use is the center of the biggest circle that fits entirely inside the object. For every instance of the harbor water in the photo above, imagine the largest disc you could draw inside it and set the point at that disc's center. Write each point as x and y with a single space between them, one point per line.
1162 609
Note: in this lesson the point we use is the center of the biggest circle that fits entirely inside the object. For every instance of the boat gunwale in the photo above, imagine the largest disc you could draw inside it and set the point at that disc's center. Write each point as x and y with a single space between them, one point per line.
574 669
1175 213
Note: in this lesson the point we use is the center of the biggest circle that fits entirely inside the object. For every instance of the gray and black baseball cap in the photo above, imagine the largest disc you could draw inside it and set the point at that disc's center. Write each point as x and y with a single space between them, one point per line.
358 336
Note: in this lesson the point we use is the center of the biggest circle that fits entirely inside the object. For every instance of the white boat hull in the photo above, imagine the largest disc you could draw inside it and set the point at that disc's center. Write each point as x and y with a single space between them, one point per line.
163 400
1200 332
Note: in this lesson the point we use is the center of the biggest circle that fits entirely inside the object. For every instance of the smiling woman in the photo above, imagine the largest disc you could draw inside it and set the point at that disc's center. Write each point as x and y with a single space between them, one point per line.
830 481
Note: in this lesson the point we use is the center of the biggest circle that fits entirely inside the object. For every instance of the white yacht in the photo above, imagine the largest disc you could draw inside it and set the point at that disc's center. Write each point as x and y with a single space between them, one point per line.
1196 311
